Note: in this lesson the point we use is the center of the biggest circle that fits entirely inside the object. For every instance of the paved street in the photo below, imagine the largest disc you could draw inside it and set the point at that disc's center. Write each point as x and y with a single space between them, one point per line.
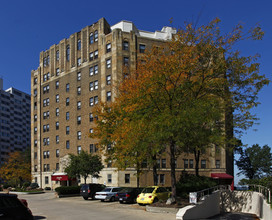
46 206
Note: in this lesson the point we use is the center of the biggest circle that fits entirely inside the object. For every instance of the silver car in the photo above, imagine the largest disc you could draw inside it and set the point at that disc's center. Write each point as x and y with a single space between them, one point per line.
108 194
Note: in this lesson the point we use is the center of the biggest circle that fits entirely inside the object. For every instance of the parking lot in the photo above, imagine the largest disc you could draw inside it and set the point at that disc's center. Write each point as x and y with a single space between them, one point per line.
46 206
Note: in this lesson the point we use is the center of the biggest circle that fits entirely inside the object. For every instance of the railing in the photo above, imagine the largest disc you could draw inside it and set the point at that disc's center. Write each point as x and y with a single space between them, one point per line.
263 190
195 197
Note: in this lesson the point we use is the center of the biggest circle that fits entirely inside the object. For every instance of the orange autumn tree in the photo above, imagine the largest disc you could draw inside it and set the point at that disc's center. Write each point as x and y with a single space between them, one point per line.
189 95
17 169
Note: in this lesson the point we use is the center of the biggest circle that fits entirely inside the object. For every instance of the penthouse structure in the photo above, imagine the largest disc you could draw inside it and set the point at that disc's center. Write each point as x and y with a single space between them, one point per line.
14 121
73 76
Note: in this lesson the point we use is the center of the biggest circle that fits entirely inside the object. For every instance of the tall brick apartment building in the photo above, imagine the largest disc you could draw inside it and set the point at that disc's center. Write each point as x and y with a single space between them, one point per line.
73 76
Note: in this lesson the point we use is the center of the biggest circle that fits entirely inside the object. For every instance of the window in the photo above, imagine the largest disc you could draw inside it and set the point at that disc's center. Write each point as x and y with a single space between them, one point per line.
96 100
91 130
109 178
162 179
91 56
44 115
96 36
47 141
217 164
35 143
125 45
67 116
57 152
57 111
79 90
78 149
35 168
47 127
57 72
57 125
95 69
127 178
44 102
67 129
35 130
78 120
126 61
191 163
109 164
78 105
158 163
91 38
92 150
144 164
79 44
203 164
35 117
91 101
44 128
109 96
57 84
67 101
96 85
57 98
57 139
91 86
35 155
79 135
108 80
79 61
35 92
91 71
35 81
108 47
96 54
48 167
46 179
47 101
185 163
44 169
67 87
163 163
44 155
91 117
67 144
142 48
78 76
108 63
68 53
57 55
57 166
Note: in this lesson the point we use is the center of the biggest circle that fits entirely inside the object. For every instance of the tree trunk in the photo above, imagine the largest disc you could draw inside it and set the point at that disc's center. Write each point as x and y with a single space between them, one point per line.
173 171
155 173
197 155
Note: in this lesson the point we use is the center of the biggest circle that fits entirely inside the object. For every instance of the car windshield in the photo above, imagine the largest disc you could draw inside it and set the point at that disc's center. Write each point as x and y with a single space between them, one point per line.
106 190
84 187
148 190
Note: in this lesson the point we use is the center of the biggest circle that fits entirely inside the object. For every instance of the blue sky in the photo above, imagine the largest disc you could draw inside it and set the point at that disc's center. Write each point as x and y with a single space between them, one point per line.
30 26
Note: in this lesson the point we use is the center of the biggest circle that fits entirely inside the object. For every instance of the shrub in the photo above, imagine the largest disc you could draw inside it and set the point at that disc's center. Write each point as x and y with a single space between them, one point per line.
26 184
191 183
64 190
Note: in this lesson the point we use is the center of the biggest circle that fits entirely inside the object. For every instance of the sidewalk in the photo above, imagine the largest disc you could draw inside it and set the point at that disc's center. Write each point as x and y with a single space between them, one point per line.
234 216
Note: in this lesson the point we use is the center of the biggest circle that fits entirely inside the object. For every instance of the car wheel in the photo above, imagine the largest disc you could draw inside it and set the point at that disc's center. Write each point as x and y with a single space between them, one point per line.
86 198
141 204
102 200
93 197
155 200
121 202
112 199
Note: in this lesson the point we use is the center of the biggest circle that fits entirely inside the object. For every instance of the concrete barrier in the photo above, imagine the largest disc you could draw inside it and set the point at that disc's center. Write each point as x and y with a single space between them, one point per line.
210 206
228 201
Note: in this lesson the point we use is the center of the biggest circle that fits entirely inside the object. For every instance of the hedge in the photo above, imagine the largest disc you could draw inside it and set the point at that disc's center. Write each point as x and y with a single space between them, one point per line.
64 190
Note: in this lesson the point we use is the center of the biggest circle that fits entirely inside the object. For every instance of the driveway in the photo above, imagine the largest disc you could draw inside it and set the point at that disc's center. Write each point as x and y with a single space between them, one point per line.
46 206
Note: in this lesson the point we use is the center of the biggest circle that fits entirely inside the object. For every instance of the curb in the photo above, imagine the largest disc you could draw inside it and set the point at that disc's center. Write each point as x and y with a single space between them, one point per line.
68 195
161 209
22 193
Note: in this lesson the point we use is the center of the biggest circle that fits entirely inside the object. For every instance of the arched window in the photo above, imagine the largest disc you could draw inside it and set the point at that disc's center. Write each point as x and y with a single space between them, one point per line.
68 53
79 44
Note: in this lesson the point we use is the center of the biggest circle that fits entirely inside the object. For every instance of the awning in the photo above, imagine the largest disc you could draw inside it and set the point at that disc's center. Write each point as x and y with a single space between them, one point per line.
59 177
221 176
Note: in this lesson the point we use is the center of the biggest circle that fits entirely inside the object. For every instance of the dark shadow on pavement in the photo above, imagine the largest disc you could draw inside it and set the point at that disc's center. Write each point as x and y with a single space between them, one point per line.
235 216
39 217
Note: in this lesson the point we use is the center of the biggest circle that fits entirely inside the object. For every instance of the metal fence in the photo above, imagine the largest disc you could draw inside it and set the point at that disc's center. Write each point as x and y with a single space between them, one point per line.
195 197
263 190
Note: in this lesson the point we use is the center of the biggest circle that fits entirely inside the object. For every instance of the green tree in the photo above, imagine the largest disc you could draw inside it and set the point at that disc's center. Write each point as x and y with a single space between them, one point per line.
255 162
84 165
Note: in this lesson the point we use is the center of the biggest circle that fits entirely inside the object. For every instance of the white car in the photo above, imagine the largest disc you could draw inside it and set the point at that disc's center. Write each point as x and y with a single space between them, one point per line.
109 194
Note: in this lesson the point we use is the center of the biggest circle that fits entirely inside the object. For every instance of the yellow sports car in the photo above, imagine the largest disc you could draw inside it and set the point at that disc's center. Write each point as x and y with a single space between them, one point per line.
152 194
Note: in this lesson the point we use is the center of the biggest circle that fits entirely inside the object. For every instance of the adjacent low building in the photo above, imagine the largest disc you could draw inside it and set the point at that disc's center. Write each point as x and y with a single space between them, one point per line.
73 76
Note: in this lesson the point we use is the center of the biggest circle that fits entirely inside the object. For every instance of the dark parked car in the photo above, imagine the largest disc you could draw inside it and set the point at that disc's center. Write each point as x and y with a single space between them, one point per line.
129 195
89 190
13 208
